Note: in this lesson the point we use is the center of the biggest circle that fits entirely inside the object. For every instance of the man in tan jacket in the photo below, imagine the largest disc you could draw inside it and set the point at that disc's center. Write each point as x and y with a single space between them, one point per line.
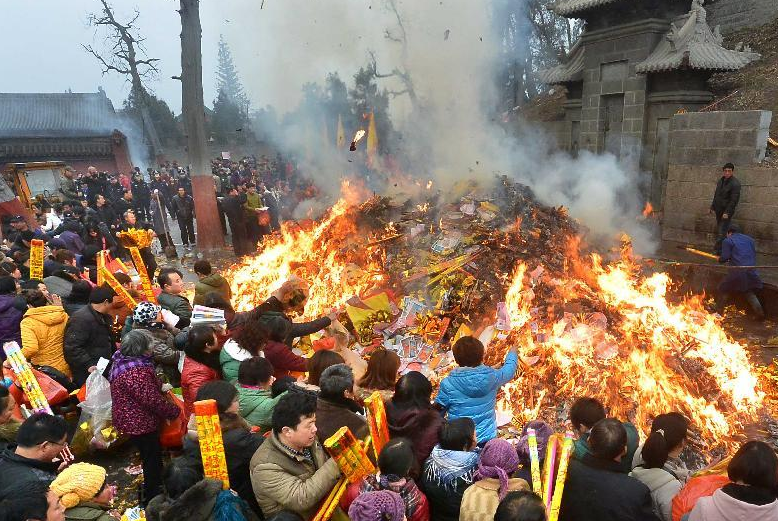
291 471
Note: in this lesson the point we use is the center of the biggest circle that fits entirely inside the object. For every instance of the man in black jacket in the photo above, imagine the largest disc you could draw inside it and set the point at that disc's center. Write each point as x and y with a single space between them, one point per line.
725 200
40 439
597 488
232 205
183 206
88 335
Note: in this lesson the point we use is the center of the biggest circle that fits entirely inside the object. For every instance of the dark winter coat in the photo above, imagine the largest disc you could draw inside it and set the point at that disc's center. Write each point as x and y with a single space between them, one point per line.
726 196
16 470
183 206
599 490
88 337
283 359
140 191
202 502
331 416
178 305
12 308
88 512
421 426
240 444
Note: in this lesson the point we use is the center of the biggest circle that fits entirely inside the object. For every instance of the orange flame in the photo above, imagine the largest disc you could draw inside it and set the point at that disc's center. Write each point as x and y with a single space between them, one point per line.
648 210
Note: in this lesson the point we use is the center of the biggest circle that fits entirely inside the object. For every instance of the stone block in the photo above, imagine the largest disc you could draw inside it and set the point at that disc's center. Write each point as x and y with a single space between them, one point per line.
765 118
706 120
718 138
758 177
640 96
633 111
612 87
745 138
746 119
679 122
738 156
638 83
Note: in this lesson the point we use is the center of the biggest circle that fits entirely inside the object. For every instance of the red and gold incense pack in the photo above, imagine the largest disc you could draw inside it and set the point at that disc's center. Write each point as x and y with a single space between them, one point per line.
108 277
36 259
140 266
209 432
352 459
376 420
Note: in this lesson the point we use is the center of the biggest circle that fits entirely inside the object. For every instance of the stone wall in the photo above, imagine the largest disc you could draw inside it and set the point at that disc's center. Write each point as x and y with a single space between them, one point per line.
733 15
700 143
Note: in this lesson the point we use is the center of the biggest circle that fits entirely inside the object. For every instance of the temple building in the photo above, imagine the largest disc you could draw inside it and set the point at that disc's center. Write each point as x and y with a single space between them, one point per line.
78 128
636 64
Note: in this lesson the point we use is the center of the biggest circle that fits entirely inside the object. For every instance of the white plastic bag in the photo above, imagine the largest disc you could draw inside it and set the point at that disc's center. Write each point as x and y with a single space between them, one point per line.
96 411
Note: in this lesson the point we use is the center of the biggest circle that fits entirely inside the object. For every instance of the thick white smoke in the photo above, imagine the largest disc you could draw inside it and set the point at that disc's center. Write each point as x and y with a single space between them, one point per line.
452 132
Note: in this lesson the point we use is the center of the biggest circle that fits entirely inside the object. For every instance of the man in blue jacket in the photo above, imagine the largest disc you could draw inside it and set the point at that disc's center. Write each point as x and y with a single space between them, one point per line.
470 390
738 249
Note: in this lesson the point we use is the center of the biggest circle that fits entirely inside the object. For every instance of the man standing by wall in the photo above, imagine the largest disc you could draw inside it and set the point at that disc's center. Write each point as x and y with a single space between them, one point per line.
725 200
183 207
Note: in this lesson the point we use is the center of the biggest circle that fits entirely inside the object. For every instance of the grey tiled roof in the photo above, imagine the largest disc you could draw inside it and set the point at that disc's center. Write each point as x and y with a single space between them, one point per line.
570 70
695 46
56 115
569 7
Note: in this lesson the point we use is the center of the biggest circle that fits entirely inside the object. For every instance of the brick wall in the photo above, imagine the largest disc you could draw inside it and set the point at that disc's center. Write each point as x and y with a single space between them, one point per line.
700 143
733 15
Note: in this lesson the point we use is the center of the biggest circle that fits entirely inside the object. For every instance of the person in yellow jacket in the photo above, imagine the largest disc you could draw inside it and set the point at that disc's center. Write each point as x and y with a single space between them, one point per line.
43 331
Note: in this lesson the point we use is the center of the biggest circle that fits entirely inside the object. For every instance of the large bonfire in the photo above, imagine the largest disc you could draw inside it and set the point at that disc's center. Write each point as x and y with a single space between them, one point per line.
584 324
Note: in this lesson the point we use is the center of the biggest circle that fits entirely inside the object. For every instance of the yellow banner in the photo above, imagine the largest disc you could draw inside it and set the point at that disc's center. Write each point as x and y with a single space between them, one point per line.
108 277
209 433
352 459
36 259
376 420
29 384
561 477
140 266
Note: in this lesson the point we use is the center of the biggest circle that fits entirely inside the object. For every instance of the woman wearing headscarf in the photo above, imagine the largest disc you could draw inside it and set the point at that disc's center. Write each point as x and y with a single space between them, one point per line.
382 505
492 481
148 317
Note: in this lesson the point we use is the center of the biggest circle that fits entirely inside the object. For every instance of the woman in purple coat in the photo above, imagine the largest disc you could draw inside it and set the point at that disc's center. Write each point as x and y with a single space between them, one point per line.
139 405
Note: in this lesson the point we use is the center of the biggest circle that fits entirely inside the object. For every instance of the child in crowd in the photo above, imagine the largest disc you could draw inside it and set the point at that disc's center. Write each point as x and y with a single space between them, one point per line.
255 396
84 492
584 414
470 390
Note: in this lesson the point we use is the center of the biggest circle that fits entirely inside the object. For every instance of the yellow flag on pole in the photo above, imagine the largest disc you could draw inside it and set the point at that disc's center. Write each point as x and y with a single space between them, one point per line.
372 142
341 138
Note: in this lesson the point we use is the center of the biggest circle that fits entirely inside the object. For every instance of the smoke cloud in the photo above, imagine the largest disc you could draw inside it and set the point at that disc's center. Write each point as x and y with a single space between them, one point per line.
453 130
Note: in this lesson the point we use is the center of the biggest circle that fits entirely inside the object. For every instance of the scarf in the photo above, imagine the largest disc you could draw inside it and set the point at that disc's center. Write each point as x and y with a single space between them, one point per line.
406 487
121 364
498 460
444 467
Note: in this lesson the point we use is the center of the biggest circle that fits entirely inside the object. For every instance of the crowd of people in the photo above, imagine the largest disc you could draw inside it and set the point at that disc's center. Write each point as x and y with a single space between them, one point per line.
445 459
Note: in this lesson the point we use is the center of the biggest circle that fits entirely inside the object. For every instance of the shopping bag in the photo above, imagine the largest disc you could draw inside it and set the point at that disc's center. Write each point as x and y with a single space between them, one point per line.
172 432
95 427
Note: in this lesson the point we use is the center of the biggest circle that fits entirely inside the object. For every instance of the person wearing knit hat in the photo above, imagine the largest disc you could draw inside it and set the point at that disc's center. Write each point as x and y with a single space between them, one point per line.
146 313
382 505
148 317
83 492
493 481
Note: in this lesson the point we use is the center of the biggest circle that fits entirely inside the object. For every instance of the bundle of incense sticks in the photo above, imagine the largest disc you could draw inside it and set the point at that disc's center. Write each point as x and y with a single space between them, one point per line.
376 420
350 455
36 259
27 381
140 267
561 476
209 433
534 459
117 287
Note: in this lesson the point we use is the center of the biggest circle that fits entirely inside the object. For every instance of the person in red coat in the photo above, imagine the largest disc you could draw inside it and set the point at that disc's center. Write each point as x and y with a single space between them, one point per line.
139 406
277 350
201 364
394 463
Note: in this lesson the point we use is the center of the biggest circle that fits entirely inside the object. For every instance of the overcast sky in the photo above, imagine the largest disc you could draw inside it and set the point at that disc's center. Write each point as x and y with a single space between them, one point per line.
41 45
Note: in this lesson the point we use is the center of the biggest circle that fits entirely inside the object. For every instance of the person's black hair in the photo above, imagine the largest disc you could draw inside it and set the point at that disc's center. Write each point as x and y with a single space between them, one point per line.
216 300
586 411
62 256
728 165
80 292
412 391
203 267
667 432
25 501
457 434
163 279
255 371
31 284
608 439
224 393
7 268
122 278
178 477
100 294
468 351
4 394
521 505
7 285
286 515
35 298
41 427
755 464
291 409
320 361
198 337
281 385
89 255
396 458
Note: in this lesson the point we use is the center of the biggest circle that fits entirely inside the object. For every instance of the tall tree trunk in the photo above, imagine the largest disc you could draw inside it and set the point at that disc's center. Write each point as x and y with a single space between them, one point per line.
209 230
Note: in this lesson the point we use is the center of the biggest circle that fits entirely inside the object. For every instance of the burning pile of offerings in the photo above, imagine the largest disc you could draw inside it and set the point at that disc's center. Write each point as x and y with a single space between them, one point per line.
414 276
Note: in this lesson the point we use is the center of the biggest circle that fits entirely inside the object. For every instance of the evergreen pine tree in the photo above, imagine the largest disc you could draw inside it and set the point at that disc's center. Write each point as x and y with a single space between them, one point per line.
227 80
